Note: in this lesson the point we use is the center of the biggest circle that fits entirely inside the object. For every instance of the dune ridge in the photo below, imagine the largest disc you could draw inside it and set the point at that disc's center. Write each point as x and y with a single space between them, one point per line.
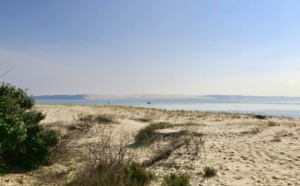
244 149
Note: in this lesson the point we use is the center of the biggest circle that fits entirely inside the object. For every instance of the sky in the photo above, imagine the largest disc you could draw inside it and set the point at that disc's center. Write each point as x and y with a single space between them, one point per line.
190 47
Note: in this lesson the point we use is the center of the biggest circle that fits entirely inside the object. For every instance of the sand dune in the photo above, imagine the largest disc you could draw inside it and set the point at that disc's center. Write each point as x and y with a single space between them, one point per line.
243 149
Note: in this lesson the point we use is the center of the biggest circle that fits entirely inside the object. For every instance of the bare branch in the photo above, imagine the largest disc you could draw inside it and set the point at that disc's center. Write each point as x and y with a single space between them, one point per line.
7 71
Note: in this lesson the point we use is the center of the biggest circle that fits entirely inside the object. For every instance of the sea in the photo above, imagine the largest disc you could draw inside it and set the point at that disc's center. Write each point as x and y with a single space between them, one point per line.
270 106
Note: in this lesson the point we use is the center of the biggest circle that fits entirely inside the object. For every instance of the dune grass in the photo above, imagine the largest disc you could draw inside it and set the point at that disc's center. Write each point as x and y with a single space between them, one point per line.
145 135
209 172
176 180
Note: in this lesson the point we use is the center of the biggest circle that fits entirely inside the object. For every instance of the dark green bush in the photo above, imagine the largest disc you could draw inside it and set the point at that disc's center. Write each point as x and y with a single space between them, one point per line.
23 142
260 117
209 172
176 180
136 175
146 134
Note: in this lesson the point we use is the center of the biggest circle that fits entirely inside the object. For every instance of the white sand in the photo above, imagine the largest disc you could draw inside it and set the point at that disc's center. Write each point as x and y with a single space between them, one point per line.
243 149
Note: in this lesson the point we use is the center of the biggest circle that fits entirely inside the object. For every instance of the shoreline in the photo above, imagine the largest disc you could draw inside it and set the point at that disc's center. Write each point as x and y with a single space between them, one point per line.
175 110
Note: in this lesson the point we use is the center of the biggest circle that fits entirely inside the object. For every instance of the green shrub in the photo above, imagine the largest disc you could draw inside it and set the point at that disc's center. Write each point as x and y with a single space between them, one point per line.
145 135
136 175
107 163
209 172
114 174
272 124
176 180
23 141
103 119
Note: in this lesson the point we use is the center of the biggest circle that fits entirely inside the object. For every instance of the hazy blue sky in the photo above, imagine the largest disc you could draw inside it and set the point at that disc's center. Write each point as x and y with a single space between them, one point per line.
247 47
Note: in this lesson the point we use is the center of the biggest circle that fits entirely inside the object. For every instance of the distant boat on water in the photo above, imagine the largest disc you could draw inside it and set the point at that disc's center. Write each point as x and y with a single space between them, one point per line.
148 102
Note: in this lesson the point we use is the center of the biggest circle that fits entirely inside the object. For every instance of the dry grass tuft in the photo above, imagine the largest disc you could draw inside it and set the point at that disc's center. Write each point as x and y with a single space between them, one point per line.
253 131
192 141
146 134
209 172
272 124
101 119
143 120
108 162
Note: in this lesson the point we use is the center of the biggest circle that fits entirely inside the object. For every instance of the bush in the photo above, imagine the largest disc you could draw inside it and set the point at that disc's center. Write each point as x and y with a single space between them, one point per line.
102 119
272 124
260 117
209 172
117 174
23 141
176 180
137 175
145 135
108 163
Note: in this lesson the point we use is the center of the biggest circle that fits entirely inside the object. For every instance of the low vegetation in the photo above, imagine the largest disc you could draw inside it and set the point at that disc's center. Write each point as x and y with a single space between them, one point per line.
101 119
163 154
108 162
252 131
144 120
276 138
260 117
135 174
145 135
209 172
115 174
192 141
176 180
272 124
93 151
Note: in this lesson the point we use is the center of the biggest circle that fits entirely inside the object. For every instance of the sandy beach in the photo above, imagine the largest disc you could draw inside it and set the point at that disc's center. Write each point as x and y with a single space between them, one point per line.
244 149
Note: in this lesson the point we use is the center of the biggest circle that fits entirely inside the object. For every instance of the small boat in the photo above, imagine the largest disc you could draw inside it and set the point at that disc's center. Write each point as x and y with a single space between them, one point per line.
148 102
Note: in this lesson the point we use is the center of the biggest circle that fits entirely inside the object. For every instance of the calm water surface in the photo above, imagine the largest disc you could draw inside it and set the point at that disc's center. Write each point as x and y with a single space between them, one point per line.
287 107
